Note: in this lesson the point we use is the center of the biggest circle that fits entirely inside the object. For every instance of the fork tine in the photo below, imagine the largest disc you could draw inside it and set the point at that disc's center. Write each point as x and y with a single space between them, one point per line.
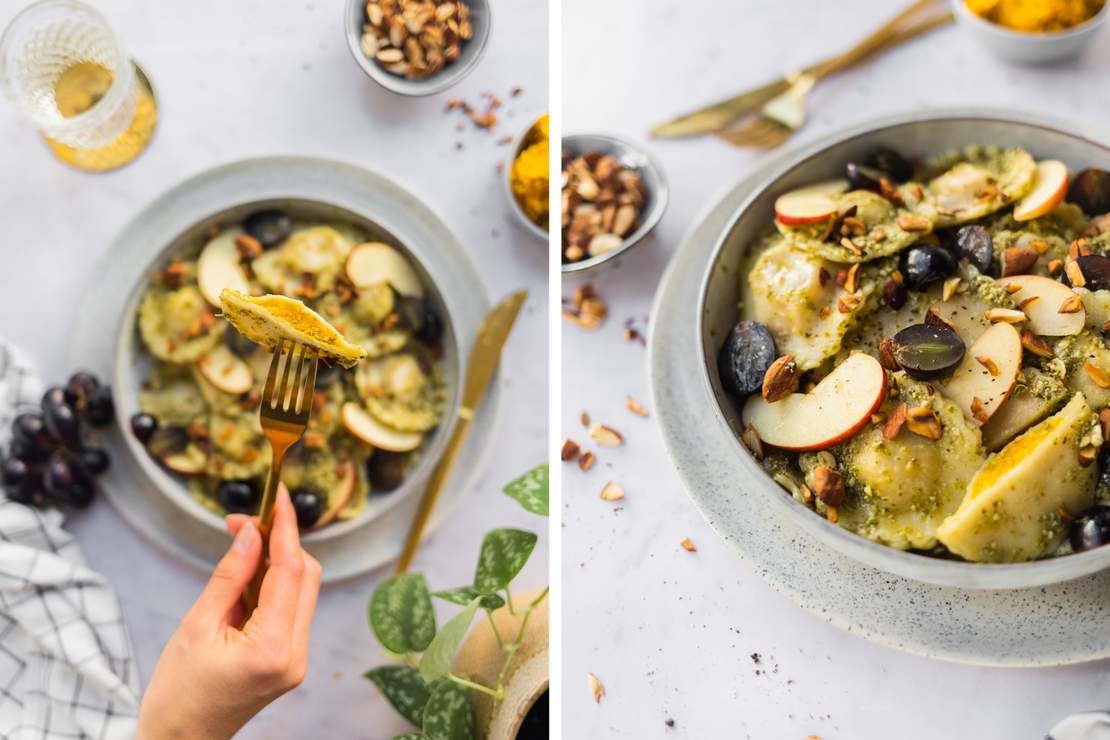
283 389
268 389
297 390
309 386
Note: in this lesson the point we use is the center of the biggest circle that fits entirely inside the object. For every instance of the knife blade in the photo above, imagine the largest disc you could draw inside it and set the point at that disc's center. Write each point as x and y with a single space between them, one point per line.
485 356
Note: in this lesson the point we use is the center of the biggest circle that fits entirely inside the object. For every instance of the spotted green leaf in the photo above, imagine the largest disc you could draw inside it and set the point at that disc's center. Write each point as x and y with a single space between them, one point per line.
504 553
401 614
410 736
403 688
530 490
437 659
463 595
448 715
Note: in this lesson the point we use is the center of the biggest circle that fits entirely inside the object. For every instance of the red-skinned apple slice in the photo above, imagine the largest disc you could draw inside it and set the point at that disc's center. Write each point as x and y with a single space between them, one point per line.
376 434
982 381
840 405
225 371
1043 311
809 204
218 267
1049 187
340 495
371 263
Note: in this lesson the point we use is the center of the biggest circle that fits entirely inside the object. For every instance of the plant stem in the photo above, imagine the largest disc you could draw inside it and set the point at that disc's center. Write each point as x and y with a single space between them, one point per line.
509 600
536 601
496 632
497 695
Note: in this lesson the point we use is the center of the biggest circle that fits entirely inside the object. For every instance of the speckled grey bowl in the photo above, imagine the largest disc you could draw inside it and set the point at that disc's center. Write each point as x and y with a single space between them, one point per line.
469 53
651 175
922 133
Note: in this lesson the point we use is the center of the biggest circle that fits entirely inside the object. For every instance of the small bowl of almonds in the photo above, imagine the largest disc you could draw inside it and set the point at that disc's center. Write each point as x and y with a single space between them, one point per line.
613 196
417 47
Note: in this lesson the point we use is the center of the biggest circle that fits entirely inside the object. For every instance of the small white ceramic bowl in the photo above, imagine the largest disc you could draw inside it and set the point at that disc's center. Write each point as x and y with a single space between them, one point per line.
651 175
1030 48
507 186
922 133
469 53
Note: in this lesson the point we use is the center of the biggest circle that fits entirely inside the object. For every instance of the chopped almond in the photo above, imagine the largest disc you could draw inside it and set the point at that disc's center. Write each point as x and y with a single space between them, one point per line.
1018 260
1032 343
851 280
570 450
1075 274
848 303
606 436
1008 315
586 461
781 379
632 405
1054 267
922 421
596 687
1097 375
1071 304
612 492
750 438
828 485
1087 455
886 355
895 421
978 411
949 288
688 545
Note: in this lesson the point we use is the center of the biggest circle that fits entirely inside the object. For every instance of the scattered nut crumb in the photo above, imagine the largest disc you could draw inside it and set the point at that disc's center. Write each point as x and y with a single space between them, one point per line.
570 450
586 461
633 405
596 687
606 436
612 492
688 545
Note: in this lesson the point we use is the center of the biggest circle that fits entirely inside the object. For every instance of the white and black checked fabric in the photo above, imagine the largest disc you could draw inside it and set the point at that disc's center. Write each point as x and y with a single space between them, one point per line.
66 666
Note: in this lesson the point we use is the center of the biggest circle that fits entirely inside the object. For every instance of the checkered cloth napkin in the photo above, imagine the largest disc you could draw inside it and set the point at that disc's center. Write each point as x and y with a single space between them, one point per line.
66 666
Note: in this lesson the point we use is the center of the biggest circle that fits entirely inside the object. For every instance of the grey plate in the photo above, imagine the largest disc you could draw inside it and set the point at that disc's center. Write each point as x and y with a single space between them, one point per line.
1048 625
651 175
155 502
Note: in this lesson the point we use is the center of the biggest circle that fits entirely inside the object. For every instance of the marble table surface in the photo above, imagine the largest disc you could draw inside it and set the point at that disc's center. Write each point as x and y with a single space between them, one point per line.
254 78
674 636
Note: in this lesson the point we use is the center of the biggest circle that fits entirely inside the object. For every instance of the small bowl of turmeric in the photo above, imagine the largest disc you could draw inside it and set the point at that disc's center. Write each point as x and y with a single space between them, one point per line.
528 179
1033 31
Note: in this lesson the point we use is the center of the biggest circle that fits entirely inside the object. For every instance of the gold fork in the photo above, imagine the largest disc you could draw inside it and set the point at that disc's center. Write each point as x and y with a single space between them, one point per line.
283 414
784 114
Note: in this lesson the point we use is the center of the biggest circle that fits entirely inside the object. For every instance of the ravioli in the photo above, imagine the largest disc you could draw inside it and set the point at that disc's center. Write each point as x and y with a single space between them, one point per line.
308 263
795 295
1076 351
398 393
980 181
177 325
882 235
901 489
1016 506
170 395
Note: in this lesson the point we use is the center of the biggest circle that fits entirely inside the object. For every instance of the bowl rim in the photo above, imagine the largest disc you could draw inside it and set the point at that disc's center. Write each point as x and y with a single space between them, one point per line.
661 196
507 186
1033 37
899 562
444 79
127 346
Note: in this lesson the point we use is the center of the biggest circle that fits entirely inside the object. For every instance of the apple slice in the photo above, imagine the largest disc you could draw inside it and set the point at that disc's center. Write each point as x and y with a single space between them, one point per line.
376 434
218 267
340 495
371 263
1049 187
809 204
840 405
982 381
226 371
1043 311
190 461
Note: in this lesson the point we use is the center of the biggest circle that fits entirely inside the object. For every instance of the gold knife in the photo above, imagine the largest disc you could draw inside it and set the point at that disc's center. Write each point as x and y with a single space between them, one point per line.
485 356
719 115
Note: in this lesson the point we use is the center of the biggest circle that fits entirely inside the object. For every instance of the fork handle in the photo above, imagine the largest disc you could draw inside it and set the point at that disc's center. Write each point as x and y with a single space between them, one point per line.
265 522
877 39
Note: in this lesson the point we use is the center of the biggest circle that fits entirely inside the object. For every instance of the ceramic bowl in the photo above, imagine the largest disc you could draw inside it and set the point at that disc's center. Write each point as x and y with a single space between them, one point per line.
924 133
506 186
1030 48
651 175
469 54
132 361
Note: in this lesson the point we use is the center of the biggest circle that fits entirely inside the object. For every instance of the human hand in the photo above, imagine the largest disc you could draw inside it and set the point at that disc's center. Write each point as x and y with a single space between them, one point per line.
216 673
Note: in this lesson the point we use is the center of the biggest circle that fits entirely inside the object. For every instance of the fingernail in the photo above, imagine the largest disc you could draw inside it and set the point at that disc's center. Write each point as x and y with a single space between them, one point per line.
243 539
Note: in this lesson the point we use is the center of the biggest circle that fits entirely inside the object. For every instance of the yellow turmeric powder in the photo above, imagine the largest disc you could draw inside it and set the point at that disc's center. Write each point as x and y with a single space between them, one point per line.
529 176
1036 16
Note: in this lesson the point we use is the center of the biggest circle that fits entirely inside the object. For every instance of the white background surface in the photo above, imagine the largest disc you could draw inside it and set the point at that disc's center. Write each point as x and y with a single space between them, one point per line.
671 633
253 78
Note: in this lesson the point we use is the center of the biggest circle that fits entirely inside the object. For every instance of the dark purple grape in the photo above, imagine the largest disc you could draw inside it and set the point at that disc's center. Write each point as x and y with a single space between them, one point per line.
143 427
1104 467
167 441
270 227
238 496
743 361
1096 271
309 505
63 423
1090 190
386 470
15 473
890 163
924 264
1090 529
34 439
59 475
927 350
55 396
94 460
79 388
99 409
327 374
974 244
894 294
24 450
237 343
862 177
431 331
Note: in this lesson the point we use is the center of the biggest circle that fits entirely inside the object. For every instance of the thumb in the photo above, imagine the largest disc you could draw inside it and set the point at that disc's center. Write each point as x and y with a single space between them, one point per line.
231 576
